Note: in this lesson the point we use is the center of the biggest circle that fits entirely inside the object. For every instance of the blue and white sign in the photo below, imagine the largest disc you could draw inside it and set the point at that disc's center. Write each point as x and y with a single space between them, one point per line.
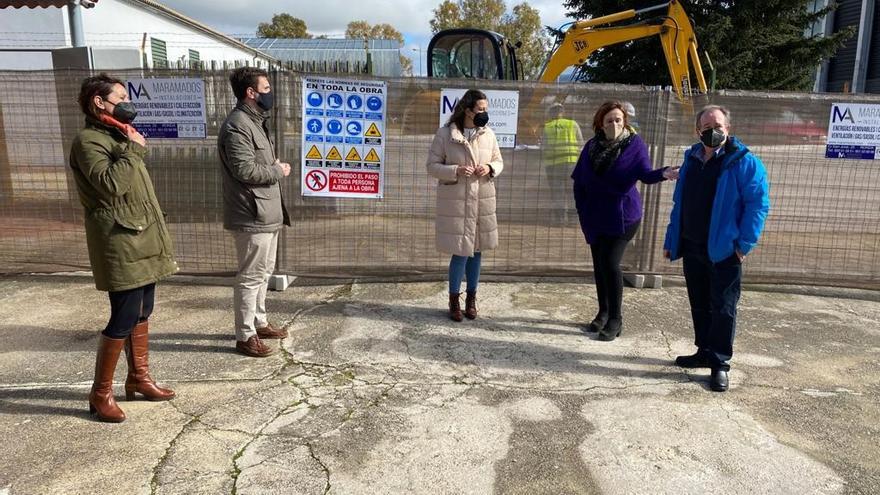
354 107
334 100
374 103
170 108
334 126
314 104
354 128
374 109
312 131
854 131
354 132
354 102
503 112
315 99
314 126
343 150
334 131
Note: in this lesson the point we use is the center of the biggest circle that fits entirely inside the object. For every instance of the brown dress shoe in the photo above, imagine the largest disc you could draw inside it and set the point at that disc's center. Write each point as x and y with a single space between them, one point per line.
254 347
271 332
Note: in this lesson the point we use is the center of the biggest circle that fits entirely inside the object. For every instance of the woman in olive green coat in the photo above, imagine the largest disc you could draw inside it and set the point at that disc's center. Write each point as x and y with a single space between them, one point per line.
129 244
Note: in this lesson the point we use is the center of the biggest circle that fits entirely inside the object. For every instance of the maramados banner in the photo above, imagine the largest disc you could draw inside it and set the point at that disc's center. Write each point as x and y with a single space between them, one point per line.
854 131
169 108
503 112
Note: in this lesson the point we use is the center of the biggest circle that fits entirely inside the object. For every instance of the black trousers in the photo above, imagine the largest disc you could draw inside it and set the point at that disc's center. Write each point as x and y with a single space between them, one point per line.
713 290
127 308
607 252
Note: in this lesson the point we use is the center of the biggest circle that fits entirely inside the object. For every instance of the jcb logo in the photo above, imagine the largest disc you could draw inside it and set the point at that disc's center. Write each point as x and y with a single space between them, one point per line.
580 45
135 93
837 116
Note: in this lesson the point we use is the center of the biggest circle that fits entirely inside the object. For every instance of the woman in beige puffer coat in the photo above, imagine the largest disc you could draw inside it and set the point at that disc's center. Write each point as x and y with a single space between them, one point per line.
465 159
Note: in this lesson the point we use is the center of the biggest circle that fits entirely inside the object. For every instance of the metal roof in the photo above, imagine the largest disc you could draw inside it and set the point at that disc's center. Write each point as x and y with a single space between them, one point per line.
149 4
385 54
32 4
319 44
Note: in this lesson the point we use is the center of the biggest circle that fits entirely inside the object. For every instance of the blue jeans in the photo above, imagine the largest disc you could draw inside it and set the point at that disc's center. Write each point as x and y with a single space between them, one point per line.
458 266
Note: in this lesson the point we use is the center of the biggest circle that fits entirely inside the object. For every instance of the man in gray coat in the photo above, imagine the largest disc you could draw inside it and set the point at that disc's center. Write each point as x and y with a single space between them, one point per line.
253 208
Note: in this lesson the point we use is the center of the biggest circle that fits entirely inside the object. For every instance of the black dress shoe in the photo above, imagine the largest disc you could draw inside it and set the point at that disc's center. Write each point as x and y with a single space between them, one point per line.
719 381
698 360
596 325
611 331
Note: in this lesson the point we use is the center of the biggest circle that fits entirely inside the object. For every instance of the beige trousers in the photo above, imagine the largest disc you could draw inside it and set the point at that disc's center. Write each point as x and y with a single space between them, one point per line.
256 262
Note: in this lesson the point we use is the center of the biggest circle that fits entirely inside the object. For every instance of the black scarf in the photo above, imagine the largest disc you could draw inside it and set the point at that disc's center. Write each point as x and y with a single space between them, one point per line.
604 153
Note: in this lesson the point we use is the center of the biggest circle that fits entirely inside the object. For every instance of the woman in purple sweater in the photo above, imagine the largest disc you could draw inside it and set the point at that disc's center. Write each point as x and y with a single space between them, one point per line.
609 205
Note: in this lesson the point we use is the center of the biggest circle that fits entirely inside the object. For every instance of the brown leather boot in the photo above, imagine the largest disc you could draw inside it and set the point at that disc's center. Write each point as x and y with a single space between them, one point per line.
470 305
455 306
139 380
101 401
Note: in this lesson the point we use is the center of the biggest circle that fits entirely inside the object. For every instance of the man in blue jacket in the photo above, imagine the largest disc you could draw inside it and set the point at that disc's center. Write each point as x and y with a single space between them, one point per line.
719 206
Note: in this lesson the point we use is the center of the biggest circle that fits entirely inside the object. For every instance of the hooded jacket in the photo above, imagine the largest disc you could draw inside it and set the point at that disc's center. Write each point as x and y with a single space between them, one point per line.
465 220
129 243
740 207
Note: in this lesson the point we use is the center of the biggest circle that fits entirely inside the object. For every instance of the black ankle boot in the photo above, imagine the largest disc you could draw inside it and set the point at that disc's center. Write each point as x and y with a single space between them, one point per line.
612 330
598 323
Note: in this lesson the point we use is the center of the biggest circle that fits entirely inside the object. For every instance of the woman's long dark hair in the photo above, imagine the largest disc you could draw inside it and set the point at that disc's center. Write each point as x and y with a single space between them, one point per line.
466 102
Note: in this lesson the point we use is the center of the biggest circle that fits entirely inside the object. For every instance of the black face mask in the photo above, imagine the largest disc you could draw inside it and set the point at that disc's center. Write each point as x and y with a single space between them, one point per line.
265 100
125 112
481 119
712 137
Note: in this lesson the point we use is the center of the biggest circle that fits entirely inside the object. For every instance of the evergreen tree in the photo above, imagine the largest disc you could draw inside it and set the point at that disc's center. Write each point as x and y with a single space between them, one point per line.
753 44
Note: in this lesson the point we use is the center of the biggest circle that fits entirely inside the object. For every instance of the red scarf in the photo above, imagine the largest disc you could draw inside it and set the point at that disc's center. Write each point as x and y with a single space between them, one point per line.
112 122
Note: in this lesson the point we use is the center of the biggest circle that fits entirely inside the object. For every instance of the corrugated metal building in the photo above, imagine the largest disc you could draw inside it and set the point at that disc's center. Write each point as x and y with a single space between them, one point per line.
855 67
333 55
31 29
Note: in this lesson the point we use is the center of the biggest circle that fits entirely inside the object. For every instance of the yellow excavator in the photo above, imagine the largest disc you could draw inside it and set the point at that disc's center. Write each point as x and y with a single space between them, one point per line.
480 54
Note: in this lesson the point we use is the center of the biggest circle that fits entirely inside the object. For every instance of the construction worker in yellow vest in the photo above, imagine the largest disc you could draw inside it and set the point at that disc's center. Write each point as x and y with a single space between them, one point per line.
560 149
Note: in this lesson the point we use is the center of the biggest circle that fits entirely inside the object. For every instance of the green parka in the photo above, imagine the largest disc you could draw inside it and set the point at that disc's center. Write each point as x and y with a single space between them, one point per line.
129 244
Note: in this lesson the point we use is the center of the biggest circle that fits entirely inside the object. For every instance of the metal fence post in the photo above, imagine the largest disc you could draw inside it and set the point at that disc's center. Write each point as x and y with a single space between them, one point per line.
5 167
279 281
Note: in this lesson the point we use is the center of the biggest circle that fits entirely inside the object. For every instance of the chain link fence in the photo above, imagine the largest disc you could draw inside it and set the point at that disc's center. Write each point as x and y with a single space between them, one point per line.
823 228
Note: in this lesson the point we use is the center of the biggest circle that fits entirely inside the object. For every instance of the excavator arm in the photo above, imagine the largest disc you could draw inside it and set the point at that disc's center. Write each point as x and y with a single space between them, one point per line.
676 34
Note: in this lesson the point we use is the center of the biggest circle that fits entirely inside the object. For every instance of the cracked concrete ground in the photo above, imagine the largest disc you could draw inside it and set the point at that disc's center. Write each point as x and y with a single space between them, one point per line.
376 391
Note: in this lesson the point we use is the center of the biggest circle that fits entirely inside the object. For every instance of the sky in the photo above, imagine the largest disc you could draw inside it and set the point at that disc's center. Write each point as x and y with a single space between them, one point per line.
330 17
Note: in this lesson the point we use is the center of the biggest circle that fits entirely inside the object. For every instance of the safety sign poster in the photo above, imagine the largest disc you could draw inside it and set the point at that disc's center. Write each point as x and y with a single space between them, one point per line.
343 137
169 108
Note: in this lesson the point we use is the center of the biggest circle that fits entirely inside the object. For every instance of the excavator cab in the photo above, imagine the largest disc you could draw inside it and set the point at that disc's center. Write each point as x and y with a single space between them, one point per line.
479 54
472 54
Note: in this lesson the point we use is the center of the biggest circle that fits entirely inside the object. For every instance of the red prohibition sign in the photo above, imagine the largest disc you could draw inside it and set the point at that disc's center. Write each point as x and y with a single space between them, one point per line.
316 180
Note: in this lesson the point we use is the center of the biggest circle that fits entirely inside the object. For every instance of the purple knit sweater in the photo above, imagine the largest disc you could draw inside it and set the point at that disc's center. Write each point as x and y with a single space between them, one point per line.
607 205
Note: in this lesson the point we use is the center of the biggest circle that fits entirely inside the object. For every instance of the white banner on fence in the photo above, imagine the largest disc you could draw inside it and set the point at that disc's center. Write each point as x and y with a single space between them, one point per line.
503 112
854 131
343 137
169 108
